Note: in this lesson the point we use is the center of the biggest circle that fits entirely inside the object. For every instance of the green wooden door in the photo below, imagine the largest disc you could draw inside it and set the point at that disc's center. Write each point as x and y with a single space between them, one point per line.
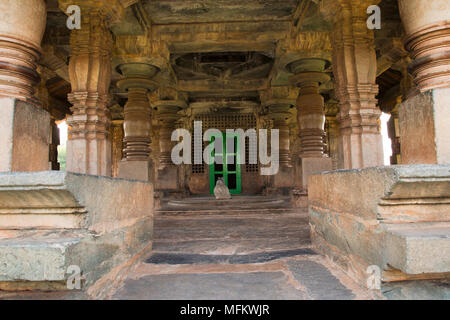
230 169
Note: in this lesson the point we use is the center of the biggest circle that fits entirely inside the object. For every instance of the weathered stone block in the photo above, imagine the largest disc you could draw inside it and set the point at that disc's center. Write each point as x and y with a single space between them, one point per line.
137 170
424 122
24 137
419 248
314 165
117 225
167 178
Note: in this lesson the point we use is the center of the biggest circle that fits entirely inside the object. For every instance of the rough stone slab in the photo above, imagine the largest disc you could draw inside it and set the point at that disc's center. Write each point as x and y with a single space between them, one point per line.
239 286
233 227
319 282
419 248
24 136
37 257
170 258
417 290
117 224
232 246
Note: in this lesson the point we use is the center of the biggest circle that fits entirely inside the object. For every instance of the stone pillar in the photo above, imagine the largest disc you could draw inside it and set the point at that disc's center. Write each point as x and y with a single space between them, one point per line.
117 146
309 75
333 137
354 67
89 142
167 113
425 116
136 163
278 111
25 127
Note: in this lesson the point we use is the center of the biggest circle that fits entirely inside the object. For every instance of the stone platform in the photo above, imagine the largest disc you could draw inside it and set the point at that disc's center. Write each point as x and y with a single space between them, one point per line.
242 225
50 221
396 218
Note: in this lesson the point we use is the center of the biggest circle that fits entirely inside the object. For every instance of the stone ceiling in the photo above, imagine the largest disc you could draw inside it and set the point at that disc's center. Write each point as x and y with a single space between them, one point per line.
226 48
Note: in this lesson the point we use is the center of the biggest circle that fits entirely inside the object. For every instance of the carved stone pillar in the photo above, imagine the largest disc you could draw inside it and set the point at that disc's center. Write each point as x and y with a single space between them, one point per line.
332 137
167 114
117 146
354 67
309 74
278 111
425 116
136 163
89 142
24 126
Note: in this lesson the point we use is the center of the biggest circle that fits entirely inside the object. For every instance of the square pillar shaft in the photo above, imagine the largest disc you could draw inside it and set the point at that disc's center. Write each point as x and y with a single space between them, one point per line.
24 136
424 128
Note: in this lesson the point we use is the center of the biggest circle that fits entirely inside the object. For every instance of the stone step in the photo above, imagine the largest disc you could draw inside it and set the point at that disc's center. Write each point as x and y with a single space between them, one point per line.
419 247
38 201
194 259
213 234
236 203
231 212
39 256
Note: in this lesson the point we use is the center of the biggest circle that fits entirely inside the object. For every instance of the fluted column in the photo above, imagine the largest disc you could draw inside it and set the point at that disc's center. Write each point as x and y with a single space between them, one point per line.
24 126
167 113
136 163
309 74
354 67
424 118
89 142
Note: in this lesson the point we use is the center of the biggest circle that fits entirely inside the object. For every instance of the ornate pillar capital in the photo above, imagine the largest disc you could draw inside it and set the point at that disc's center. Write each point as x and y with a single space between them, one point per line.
111 10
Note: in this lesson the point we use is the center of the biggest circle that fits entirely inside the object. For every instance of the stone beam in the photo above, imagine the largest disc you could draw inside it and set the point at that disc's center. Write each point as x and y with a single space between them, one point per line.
227 36
222 85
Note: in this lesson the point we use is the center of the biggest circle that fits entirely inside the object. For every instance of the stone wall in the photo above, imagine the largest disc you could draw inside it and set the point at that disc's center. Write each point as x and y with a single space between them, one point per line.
396 218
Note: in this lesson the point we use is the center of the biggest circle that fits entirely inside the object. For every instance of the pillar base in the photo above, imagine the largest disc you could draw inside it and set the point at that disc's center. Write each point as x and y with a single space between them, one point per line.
167 178
314 165
24 137
424 122
137 170
284 178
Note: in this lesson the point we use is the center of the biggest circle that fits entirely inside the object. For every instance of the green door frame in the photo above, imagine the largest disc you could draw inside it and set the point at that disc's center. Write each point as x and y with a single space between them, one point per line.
226 170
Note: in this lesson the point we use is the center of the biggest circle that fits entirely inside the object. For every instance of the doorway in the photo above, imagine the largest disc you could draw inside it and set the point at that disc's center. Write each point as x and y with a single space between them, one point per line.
229 167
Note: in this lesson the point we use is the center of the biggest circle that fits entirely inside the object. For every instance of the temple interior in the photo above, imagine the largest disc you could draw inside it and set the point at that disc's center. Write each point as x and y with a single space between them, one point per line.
128 75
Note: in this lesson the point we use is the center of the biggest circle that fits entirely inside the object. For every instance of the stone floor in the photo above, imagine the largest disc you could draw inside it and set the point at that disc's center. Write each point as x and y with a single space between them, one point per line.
300 277
242 250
